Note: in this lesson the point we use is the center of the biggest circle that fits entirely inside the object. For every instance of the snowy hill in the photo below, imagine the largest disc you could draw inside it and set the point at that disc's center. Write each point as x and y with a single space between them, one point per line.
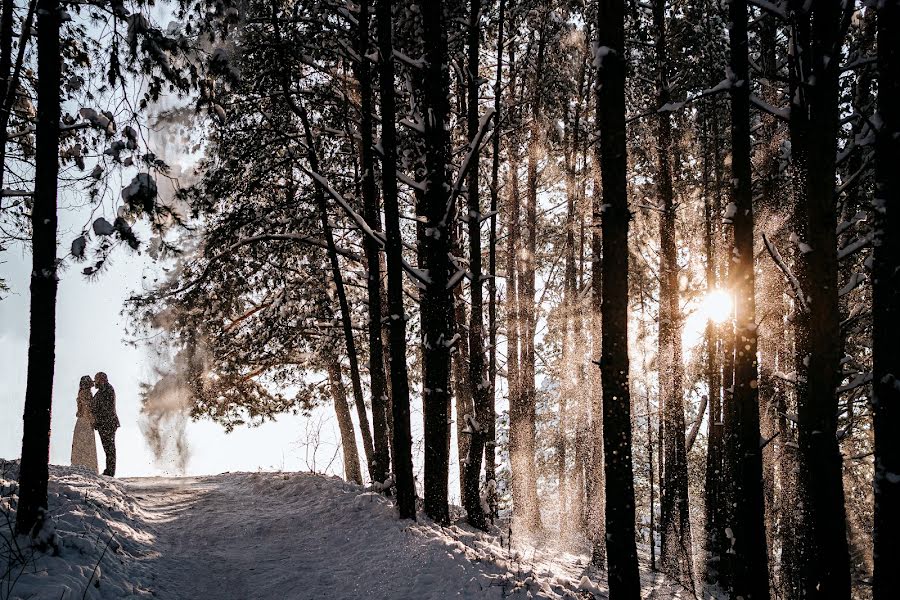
266 535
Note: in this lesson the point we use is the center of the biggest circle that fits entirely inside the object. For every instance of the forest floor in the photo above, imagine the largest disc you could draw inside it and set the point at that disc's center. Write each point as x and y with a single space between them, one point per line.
272 536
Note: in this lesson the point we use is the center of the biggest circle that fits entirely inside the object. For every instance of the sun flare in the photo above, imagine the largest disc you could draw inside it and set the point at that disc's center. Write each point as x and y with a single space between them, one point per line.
716 306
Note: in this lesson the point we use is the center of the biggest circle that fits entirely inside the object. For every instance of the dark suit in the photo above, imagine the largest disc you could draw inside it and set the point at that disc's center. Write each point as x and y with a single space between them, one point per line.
106 422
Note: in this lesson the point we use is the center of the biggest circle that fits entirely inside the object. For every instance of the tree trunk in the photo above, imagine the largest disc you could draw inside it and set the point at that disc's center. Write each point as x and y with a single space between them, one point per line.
34 466
490 460
529 512
624 580
478 380
378 467
714 467
462 390
595 473
751 577
437 304
675 526
345 423
886 305
337 277
818 29
513 316
769 291
402 436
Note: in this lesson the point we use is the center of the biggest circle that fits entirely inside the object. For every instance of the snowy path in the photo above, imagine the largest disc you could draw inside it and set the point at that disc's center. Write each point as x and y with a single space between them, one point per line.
281 536
302 536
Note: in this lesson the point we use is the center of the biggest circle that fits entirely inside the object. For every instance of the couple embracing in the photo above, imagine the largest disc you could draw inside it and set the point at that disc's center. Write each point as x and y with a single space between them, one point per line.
95 411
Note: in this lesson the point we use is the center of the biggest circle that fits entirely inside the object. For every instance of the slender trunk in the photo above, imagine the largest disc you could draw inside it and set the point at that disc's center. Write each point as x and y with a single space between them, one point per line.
624 580
595 474
490 460
712 488
675 528
751 576
378 466
338 279
513 316
478 379
818 30
345 423
34 466
768 291
530 511
437 304
402 437
461 386
886 304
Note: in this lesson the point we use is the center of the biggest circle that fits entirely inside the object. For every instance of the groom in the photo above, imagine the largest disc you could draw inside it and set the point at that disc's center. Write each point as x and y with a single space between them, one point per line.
106 421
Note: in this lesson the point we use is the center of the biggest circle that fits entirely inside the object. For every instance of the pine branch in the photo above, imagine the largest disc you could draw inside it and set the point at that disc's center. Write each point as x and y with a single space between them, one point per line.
789 275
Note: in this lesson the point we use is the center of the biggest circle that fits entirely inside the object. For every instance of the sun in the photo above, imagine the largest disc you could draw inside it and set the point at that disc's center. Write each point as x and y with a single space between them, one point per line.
716 306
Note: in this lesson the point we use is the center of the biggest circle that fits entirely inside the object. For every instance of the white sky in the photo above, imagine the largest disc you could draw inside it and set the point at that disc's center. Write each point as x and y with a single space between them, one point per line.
90 338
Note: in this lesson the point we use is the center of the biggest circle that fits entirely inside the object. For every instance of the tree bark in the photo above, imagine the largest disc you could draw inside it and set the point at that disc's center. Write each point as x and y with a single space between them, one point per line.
345 423
713 511
624 580
34 466
490 460
513 316
401 431
478 378
437 305
675 525
885 308
378 467
818 31
462 390
337 277
529 512
751 578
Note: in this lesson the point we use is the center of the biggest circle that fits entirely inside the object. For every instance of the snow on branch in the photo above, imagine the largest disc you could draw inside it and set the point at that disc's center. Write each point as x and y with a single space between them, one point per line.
406 179
355 216
774 8
420 275
843 226
9 193
409 61
791 378
722 86
474 147
781 113
695 428
265 237
456 278
855 246
860 380
417 126
789 275
854 282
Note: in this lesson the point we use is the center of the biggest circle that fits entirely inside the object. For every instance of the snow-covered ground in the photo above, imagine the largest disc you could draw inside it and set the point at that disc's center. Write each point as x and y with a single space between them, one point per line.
269 535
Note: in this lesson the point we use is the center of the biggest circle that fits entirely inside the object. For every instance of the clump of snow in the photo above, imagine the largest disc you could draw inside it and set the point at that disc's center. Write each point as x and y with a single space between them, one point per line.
140 194
96 544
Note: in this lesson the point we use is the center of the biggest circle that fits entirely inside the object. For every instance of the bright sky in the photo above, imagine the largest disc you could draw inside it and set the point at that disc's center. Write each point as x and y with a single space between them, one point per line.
90 338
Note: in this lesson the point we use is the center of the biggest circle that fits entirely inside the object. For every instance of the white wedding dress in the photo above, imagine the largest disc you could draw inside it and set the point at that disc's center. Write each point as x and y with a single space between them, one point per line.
84 445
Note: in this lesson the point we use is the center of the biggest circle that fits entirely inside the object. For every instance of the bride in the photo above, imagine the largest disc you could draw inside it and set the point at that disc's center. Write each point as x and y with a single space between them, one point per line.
84 447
